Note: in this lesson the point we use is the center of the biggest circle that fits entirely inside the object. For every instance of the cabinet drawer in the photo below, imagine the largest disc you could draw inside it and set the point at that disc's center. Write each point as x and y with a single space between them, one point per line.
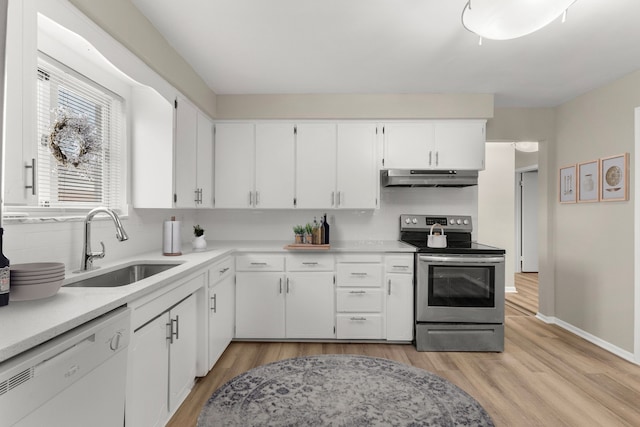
360 300
221 270
399 264
260 262
359 275
299 262
359 326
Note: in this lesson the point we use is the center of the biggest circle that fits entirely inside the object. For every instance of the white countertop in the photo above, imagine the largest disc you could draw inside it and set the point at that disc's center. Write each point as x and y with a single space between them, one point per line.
26 324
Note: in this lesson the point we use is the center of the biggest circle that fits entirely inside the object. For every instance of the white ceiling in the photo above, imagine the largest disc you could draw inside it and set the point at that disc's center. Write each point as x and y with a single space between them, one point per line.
395 46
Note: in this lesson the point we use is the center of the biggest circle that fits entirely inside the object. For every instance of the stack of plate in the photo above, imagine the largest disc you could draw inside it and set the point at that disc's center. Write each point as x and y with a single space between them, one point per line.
35 280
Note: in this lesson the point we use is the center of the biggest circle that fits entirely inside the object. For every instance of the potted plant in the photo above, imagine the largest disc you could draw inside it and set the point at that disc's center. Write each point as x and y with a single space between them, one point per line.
199 243
308 238
299 230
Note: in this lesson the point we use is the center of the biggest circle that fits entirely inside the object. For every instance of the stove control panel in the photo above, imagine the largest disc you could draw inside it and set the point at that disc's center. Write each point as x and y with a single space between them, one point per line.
424 222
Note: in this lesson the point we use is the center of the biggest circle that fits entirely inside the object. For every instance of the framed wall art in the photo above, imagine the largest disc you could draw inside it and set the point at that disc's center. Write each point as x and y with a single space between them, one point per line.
589 181
614 178
567 184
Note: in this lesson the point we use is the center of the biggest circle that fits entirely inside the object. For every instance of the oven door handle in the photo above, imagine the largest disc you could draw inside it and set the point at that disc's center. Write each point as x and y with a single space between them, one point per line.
461 260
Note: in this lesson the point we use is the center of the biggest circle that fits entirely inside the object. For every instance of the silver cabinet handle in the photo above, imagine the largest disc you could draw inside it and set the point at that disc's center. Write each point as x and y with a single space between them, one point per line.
309 263
287 285
257 198
430 158
32 166
339 198
177 333
358 292
250 198
437 157
224 270
259 263
358 319
389 291
173 332
358 274
333 198
214 306
281 285
400 266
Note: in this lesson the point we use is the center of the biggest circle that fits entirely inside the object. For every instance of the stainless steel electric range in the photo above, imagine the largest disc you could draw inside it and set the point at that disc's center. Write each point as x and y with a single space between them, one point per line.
459 292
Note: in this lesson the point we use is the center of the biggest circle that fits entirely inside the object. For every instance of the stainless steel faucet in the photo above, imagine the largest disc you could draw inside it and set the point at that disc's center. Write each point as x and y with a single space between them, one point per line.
87 255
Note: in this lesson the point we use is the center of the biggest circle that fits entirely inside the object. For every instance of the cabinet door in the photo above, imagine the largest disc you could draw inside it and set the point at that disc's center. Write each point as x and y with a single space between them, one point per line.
204 162
185 154
460 145
234 165
400 321
408 145
275 161
357 180
147 380
316 166
310 307
260 305
221 318
182 352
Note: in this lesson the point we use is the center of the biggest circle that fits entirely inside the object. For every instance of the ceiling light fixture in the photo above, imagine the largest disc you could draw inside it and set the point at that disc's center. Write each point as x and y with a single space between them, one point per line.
527 146
509 19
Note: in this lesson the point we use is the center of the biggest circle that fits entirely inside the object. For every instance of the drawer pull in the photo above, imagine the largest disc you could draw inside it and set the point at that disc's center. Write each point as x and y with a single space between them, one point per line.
358 319
359 274
309 263
400 266
224 270
281 285
358 292
259 263
214 305
389 292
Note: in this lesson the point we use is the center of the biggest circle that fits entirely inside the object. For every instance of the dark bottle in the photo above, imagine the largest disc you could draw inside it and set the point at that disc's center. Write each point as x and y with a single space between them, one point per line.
321 231
5 275
325 240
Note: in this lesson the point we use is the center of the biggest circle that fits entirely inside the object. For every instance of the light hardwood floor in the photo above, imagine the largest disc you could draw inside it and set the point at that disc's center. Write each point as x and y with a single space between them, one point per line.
545 377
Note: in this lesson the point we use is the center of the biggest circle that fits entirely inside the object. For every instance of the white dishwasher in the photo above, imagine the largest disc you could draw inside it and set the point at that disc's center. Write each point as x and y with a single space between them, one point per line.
75 379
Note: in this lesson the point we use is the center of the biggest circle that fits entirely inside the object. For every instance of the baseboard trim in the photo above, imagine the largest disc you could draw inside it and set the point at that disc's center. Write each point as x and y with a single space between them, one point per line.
510 290
626 355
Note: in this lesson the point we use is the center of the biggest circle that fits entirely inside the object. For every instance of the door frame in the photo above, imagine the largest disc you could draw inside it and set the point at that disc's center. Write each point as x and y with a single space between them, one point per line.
518 216
636 244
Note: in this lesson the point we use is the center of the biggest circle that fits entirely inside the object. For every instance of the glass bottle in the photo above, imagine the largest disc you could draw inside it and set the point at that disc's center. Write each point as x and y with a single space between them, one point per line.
5 275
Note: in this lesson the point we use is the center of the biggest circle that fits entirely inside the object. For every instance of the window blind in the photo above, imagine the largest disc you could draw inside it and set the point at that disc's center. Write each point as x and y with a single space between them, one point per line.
97 182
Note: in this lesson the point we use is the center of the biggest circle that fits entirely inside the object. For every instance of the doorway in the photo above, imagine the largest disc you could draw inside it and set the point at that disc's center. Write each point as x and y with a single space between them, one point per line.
528 219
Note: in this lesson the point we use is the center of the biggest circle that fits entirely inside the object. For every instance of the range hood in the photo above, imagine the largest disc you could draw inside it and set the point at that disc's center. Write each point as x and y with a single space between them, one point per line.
428 178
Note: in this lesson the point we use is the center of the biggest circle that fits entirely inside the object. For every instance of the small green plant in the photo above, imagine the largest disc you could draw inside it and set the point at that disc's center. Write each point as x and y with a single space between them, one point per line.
308 228
298 229
198 231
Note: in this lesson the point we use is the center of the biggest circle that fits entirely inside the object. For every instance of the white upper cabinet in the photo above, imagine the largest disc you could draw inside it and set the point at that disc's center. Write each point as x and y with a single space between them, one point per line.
234 165
357 174
408 145
336 166
193 157
453 144
254 165
460 144
316 166
275 162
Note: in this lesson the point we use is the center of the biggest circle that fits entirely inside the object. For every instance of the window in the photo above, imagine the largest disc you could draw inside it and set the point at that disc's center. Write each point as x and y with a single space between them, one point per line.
97 180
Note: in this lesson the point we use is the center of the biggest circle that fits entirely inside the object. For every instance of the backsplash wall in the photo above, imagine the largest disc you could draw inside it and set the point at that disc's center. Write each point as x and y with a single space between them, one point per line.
62 241
381 224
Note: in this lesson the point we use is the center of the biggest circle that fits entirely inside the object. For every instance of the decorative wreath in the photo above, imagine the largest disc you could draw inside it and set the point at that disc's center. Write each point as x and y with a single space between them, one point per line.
73 140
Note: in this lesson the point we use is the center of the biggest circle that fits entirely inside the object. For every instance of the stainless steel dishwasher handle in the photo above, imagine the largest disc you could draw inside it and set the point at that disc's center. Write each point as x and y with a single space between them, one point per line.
461 260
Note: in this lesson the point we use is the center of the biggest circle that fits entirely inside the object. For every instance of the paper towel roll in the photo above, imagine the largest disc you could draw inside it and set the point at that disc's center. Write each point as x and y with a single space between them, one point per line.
171 242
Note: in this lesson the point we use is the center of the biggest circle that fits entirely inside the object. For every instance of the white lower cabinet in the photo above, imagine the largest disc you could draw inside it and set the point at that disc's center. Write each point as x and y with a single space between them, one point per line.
359 296
221 308
162 356
285 304
399 297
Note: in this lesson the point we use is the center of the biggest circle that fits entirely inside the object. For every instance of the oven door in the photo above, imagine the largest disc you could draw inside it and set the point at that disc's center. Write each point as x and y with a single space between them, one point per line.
460 288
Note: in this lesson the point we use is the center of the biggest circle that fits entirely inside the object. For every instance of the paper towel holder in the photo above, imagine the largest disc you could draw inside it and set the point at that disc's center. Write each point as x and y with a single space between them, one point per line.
171 242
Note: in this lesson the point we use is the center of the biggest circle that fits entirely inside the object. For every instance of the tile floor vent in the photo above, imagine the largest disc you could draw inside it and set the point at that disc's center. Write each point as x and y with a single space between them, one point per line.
15 381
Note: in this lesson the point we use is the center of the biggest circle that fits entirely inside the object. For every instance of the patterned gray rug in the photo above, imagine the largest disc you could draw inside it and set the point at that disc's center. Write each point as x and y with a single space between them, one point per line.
341 390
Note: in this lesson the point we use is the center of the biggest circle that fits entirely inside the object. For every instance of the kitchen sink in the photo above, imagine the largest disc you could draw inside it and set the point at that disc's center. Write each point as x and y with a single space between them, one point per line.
122 276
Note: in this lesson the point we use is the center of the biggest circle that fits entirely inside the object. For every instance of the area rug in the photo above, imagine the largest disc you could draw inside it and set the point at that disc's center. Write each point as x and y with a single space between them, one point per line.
341 390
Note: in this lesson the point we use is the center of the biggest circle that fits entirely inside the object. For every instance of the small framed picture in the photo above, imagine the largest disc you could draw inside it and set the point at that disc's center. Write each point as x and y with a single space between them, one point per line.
567 184
589 181
614 178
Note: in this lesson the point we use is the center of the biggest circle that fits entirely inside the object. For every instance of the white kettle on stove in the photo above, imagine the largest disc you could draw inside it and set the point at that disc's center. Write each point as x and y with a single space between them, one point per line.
437 239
